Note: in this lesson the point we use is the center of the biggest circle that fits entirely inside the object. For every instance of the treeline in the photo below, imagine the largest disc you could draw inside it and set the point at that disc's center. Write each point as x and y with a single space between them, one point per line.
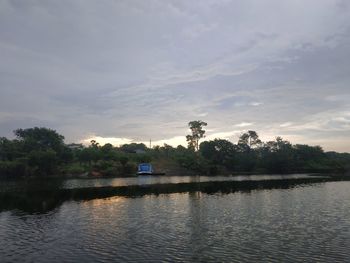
251 155
278 156
41 151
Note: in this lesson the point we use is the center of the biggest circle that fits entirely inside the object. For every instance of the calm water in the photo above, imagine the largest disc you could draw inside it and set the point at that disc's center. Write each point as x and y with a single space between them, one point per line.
303 224
140 180
143 180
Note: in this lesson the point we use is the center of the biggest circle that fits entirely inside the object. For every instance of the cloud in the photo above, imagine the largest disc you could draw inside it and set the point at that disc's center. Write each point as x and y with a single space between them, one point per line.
103 140
228 135
244 124
175 141
325 121
255 103
140 70
197 30
286 124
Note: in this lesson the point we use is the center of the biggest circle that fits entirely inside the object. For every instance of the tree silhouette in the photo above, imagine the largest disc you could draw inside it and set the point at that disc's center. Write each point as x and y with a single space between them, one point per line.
197 131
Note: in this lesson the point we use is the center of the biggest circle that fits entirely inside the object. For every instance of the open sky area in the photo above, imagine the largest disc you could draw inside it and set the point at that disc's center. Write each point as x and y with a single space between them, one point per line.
130 71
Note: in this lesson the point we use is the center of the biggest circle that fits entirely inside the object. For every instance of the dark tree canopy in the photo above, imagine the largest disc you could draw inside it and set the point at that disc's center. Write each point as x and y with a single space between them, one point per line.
133 147
40 138
41 151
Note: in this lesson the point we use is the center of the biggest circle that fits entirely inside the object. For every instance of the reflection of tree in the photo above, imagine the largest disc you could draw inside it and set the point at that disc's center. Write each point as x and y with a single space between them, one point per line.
197 228
33 196
36 196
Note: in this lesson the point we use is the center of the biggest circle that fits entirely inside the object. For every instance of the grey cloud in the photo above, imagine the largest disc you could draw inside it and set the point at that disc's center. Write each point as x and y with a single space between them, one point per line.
140 70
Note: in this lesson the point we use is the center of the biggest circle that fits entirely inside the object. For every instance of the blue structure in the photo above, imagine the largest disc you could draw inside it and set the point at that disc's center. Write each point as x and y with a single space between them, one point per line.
145 168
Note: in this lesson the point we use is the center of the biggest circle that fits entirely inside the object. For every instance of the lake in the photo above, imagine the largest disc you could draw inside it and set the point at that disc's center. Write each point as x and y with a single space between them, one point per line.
301 223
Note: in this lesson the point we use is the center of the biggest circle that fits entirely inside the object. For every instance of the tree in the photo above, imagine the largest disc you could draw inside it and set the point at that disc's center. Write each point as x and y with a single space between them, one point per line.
108 152
208 151
133 147
85 156
40 138
10 149
66 155
197 131
123 160
220 151
250 139
45 161
278 156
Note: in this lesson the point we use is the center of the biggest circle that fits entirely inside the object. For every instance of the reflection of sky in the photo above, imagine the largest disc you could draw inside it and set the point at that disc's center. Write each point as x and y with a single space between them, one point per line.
147 179
124 71
294 224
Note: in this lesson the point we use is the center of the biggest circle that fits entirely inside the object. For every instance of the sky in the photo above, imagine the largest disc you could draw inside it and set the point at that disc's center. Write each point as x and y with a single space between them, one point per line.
130 71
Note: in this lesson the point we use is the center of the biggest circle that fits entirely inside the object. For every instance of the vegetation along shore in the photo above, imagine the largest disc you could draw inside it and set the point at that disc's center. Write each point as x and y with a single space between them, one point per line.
42 152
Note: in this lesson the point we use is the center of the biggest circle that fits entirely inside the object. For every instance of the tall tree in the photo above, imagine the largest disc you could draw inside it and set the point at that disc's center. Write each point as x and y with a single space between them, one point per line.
197 133
250 138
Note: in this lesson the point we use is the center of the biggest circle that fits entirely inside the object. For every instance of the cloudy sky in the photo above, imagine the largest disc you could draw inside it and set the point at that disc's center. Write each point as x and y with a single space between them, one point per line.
124 71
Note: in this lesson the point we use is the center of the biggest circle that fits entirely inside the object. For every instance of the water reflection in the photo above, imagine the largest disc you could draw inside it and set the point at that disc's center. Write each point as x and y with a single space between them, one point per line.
298 224
35 196
148 179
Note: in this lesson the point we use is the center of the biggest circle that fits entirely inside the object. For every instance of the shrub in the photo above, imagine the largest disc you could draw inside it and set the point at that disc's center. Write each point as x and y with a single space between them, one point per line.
12 168
73 169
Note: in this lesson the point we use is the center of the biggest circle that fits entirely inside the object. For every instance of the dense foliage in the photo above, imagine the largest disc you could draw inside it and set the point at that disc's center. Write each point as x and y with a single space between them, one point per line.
41 152
254 156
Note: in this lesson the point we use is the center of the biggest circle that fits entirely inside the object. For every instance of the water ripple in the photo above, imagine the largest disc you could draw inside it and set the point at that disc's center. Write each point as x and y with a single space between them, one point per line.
303 224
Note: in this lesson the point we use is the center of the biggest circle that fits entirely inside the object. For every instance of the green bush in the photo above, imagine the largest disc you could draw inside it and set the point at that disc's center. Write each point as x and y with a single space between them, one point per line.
45 161
129 168
12 168
103 165
74 169
112 171
143 158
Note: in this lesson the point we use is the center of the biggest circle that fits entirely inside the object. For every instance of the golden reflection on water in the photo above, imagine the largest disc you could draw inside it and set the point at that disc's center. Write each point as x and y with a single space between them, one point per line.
104 202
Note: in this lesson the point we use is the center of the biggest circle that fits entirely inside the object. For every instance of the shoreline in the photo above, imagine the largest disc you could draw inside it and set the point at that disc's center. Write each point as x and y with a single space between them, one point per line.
84 176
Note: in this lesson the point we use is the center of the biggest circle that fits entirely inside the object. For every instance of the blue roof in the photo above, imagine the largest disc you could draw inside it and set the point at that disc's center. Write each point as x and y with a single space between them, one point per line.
145 167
